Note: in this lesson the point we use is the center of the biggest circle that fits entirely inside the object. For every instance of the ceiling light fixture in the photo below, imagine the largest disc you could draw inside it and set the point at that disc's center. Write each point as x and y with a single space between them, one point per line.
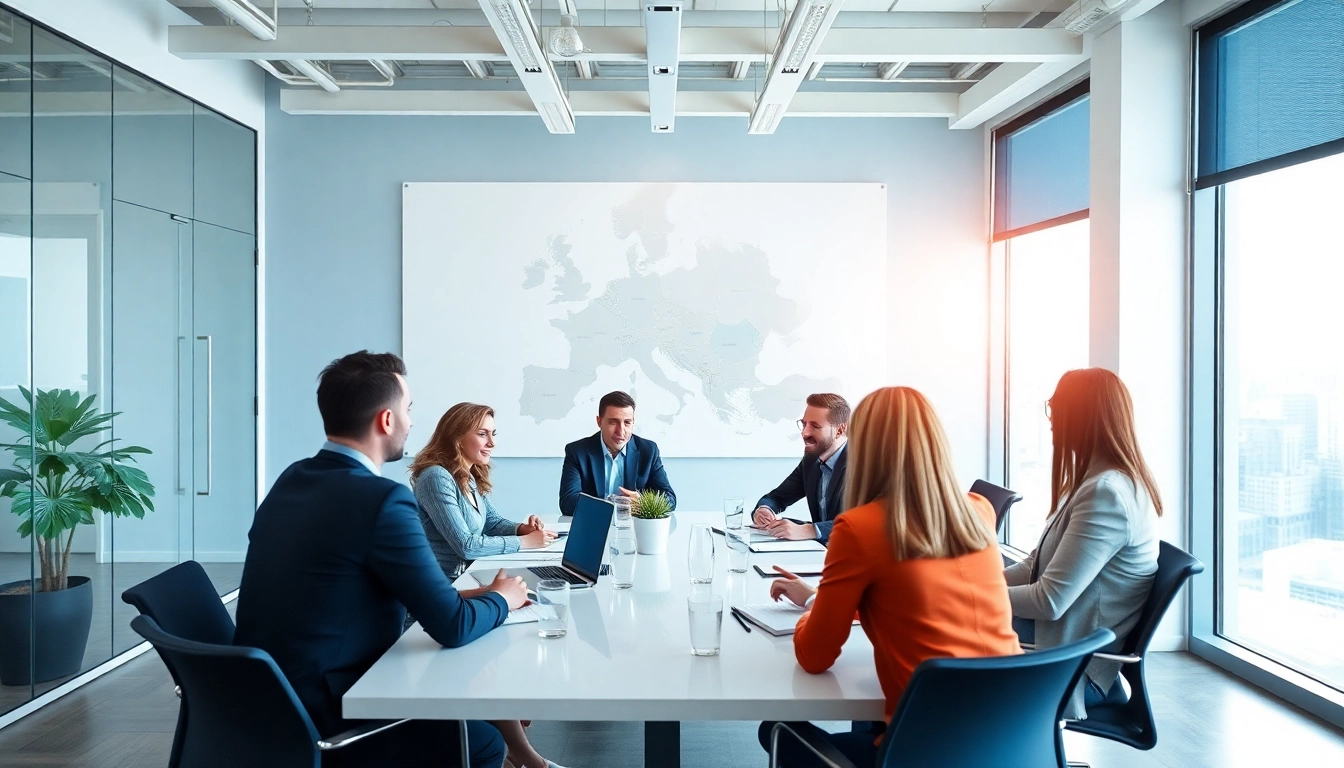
662 35
522 39
565 41
1086 14
513 24
250 17
795 52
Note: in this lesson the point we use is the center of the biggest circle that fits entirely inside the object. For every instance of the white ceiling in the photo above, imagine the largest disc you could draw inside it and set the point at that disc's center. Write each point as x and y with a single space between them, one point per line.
963 60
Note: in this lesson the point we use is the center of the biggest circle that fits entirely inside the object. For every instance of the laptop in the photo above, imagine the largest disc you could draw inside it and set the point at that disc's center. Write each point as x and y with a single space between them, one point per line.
584 547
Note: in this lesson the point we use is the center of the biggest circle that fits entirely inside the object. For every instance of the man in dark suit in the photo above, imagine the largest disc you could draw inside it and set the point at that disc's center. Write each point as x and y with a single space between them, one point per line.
336 557
614 460
819 477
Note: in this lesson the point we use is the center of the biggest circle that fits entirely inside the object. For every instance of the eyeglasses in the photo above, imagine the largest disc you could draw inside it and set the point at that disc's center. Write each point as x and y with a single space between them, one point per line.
803 425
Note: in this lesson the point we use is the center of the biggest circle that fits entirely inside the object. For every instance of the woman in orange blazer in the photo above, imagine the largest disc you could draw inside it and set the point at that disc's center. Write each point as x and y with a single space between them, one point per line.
913 555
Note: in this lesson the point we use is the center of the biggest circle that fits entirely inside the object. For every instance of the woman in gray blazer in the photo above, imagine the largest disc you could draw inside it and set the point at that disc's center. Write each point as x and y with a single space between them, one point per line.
1095 561
451 480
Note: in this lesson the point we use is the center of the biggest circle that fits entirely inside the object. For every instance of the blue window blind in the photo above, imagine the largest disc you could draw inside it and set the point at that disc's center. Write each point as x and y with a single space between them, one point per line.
1041 166
1271 80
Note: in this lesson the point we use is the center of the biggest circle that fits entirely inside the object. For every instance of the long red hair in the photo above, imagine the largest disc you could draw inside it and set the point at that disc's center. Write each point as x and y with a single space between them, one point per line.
1092 420
444 448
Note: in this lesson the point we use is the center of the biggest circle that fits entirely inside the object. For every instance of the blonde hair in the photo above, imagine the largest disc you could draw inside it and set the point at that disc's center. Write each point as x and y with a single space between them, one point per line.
444 448
899 456
1092 424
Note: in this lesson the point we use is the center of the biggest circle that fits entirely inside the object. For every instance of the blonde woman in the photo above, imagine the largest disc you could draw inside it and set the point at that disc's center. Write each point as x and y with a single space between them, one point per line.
913 554
451 479
1095 561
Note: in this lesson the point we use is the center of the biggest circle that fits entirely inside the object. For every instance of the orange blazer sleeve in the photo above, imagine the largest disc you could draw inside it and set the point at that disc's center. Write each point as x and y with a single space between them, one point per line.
823 630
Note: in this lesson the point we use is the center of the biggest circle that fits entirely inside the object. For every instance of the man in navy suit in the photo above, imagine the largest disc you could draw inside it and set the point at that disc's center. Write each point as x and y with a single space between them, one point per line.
336 557
614 460
819 477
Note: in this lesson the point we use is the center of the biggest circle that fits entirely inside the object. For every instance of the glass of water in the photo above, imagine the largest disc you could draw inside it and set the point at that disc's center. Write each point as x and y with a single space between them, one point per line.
623 559
700 560
553 605
706 623
622 517
736 535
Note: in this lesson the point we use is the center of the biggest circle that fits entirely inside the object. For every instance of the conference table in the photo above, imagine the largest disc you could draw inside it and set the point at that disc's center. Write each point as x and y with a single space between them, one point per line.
626 657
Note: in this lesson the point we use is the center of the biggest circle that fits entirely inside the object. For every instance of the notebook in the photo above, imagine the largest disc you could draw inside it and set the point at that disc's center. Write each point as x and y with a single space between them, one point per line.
525 615
782 545
797 570
779 619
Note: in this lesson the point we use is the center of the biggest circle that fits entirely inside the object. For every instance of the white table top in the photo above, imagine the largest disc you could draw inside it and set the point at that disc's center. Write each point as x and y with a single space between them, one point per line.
627 656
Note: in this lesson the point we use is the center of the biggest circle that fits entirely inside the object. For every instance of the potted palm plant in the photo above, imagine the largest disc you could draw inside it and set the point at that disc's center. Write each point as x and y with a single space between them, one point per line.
56 487
653 522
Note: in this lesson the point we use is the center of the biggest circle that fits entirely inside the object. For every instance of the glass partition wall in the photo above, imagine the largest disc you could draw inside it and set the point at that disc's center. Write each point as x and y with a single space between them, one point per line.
127 350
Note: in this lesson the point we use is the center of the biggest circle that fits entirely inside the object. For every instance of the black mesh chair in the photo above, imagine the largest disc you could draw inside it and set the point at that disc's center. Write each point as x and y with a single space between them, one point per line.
1131 722
999 497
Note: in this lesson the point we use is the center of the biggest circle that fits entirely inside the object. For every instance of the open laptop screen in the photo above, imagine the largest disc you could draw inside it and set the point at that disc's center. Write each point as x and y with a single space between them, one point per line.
588 536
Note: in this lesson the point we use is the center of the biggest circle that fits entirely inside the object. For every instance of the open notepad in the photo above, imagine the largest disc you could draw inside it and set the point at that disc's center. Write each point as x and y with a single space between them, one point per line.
528 613
784 545
778 619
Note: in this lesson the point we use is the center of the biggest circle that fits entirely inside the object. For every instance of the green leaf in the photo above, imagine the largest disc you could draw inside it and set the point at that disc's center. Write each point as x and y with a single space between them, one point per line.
52 464
14 476
53 516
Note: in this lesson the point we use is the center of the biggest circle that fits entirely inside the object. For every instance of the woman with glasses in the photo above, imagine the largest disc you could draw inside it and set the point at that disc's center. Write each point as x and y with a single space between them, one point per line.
913 555
1095 561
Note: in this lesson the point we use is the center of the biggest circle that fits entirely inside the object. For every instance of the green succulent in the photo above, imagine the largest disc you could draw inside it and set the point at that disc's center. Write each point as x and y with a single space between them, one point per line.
57 488
652 505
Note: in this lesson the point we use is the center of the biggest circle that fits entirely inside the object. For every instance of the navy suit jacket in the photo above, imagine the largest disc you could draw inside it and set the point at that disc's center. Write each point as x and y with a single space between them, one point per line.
805 482
585 470
336 557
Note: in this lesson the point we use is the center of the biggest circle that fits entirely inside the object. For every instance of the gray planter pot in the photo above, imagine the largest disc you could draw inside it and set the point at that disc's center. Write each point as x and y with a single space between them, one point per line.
56 624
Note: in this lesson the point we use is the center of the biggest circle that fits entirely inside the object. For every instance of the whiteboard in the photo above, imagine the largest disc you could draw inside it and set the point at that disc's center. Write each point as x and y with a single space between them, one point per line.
718 307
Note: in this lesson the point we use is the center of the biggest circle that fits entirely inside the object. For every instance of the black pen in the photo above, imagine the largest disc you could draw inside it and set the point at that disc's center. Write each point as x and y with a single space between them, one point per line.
738 616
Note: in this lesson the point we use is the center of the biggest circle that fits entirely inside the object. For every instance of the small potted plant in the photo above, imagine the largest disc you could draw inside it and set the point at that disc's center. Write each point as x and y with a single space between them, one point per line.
56 487
653 522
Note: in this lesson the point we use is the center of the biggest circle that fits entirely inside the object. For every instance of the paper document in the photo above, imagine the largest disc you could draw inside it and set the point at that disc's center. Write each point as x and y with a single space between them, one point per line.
527 614
752 535
797 570
783 545
778 619
522 556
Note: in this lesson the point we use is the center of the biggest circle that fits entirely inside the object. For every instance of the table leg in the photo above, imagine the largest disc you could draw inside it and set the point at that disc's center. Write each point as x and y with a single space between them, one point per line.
662 745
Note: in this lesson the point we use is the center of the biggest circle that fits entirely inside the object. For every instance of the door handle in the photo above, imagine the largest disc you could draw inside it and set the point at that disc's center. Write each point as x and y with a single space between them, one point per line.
209 413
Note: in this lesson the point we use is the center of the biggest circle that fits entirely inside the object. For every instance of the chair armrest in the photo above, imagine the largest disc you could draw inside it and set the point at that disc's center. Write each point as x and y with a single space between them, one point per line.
823 749
1130 659
1027 646
346 738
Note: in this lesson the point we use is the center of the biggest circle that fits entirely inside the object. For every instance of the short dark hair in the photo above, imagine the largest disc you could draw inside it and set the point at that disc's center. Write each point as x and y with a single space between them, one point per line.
617 399
353 389
833 403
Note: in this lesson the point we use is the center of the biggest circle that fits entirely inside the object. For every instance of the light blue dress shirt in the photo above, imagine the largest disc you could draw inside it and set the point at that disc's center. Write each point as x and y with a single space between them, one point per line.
346 450
827 467
615 468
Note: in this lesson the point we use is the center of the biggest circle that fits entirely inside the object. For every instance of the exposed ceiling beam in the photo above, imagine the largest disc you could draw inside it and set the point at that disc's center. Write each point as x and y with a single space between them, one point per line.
793 58
599 103
624 44
1008 84
739 70
517 34
662 25
892 69
478 69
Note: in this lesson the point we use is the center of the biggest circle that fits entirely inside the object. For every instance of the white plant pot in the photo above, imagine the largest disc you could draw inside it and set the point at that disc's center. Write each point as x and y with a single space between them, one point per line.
651 535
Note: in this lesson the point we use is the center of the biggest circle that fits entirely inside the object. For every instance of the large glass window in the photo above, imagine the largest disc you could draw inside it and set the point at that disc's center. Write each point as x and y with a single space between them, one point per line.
1041 233
1282 533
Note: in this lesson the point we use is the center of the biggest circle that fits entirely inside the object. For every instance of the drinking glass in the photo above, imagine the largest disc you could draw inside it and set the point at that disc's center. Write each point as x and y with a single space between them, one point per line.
623 560
733 513
706 613
622 517
736 535
553 605
700 560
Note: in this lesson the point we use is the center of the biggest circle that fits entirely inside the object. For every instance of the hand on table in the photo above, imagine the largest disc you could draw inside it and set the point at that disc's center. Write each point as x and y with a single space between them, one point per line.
791 587
511 588
532 525
763 517
629 494
536 539
784 528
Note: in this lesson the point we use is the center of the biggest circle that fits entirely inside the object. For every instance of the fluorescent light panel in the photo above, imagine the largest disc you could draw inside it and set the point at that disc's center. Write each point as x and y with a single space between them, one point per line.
662 32
794 54
517 31
249 17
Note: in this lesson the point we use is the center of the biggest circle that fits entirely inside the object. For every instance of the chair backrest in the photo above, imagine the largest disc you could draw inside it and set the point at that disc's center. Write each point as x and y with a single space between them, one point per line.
243 710
183 602
999 497
1001 711
1131 722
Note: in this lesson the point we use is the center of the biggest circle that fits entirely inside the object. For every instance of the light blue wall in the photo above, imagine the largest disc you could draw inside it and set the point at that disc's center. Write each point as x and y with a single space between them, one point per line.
333 273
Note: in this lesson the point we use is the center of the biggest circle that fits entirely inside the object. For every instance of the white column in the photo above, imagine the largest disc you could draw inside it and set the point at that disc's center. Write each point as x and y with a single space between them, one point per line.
1139 126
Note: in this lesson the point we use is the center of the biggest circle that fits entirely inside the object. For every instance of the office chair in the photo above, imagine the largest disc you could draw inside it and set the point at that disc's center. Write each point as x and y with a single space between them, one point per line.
243 710
1002 711
183 602
999 497
1131 722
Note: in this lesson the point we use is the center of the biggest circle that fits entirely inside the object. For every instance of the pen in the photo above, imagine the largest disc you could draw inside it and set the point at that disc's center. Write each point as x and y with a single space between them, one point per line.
738 616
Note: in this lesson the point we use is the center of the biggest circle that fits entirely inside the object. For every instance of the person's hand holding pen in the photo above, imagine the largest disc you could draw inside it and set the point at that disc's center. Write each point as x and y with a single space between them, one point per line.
792 587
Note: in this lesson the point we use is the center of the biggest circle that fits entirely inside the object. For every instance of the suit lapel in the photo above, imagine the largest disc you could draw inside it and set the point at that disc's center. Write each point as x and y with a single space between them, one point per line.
599 466
631 465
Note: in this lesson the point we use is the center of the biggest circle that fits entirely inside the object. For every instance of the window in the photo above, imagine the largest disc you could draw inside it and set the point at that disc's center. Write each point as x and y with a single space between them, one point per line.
1042 235
1282 532
1267 440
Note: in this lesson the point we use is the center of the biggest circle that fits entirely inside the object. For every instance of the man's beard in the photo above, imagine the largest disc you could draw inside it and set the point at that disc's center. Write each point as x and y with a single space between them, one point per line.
817 448
397 453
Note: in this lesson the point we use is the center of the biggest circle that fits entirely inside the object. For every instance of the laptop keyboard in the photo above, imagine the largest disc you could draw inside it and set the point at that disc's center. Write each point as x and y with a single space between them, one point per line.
556 572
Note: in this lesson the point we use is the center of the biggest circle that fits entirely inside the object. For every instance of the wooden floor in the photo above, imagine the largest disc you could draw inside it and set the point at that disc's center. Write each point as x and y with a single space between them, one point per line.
110 632
1206 718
